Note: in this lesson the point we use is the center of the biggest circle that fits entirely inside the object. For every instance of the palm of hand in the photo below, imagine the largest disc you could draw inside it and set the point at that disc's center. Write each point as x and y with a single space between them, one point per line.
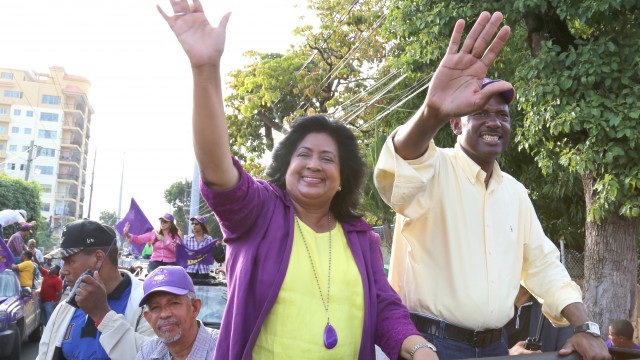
202 43
458 93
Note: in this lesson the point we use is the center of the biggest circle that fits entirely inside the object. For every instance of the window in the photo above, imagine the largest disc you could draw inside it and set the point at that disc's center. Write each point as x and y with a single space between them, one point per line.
45 116
4 111
1 147
11 166
29 113
16 112
46 152
51 99
2 129
13 94
43 170
45 207
46 188
21 167
47 134
6 75
15 129
27 131
13 148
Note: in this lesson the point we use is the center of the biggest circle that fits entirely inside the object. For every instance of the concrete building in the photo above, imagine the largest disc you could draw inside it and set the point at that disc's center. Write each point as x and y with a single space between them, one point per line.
45 123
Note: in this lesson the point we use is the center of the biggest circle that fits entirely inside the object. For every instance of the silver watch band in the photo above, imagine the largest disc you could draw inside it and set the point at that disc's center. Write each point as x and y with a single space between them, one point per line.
420 346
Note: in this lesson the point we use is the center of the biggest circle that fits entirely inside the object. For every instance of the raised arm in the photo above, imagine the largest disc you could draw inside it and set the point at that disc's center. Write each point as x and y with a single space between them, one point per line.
456 86
204 45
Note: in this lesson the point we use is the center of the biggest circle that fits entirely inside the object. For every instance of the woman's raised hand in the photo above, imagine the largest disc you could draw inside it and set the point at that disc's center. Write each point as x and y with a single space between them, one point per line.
203 43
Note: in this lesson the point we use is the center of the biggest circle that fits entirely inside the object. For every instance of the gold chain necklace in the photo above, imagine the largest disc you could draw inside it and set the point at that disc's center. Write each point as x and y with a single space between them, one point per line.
330 336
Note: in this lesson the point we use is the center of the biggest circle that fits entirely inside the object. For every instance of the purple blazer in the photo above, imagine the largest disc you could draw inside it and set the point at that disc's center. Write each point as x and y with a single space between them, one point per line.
257 220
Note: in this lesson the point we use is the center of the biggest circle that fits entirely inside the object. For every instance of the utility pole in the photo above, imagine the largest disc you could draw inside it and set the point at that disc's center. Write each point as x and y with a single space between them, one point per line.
93 176
29 159
195 192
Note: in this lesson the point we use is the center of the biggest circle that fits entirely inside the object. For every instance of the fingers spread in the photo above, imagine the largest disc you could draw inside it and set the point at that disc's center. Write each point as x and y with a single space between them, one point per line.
475 32
497 44
486 35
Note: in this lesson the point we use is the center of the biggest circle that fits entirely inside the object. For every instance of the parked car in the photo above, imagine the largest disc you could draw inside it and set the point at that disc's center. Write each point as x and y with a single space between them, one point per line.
213 293
19 316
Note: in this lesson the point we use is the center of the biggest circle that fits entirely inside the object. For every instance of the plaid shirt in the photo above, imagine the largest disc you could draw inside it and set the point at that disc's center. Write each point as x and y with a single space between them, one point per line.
190 242
202 348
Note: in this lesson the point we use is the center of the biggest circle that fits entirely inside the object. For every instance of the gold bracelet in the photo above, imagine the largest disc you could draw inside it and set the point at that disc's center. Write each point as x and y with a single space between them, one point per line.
420 346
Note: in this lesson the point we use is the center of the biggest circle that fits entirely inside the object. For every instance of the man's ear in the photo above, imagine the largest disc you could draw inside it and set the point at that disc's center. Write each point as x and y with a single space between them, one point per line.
456 125
197 305
146 314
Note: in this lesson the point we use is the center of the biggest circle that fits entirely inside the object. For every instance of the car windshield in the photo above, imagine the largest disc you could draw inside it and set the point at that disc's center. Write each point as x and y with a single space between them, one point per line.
8 284
214 300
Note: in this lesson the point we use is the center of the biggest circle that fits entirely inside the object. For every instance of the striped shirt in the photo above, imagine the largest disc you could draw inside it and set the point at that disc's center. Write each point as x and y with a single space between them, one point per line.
202 348
190 242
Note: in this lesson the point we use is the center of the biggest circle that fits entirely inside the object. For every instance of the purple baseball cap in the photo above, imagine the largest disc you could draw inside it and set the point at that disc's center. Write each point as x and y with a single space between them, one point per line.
199 218
170 279
508 95
167 217
25 227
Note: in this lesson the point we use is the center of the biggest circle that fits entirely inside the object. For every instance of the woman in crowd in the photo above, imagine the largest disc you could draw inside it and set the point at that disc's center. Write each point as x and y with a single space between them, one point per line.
304 271
197 239
163 241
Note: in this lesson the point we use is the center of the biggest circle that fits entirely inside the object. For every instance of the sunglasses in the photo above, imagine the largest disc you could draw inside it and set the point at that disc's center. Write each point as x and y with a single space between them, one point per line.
195 223
164 221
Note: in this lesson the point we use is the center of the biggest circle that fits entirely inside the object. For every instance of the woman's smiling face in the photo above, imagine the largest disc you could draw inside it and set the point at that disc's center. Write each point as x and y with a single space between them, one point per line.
313 176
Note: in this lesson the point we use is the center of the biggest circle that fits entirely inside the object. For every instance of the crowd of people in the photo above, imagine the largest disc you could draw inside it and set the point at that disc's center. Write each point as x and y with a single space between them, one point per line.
298 248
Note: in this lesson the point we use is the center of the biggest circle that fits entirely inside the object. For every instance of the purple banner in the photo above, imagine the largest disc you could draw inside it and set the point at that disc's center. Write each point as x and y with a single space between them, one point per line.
138 225
203 255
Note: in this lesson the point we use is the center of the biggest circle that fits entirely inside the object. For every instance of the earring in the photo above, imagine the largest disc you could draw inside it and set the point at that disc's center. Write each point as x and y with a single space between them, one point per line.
339 188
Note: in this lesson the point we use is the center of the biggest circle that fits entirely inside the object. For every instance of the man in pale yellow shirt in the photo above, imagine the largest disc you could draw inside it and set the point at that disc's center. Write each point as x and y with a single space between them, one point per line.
466 233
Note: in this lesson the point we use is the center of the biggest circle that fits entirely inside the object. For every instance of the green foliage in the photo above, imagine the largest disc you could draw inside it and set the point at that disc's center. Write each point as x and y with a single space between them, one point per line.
18 194
108 217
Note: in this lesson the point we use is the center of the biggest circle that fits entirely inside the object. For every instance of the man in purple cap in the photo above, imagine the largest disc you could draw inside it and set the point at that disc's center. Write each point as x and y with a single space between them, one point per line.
466 233
171 307
16 242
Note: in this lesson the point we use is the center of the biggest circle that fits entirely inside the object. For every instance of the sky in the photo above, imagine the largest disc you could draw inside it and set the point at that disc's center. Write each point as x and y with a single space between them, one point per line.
140 80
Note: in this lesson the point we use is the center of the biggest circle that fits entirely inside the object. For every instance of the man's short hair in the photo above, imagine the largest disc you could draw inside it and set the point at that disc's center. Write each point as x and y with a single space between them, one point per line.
28 254
623 328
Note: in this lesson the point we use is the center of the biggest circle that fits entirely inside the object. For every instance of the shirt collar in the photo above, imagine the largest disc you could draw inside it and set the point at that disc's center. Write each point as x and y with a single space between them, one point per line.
473 171
119 290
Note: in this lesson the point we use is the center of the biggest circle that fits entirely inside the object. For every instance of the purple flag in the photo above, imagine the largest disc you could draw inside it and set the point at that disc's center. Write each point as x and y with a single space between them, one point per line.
138 225
203 255
6 257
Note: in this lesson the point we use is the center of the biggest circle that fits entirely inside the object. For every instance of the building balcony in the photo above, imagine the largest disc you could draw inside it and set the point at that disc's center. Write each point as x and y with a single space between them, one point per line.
69 177
3 154
73 124
5 119
4 136
67 195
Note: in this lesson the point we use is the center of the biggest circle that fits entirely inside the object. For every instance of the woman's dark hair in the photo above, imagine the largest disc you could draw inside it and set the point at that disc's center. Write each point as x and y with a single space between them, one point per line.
173 230
345 202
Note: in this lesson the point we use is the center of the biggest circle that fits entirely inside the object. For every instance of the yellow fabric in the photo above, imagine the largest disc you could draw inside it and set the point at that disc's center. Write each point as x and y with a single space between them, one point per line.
25 273
460 250
294 328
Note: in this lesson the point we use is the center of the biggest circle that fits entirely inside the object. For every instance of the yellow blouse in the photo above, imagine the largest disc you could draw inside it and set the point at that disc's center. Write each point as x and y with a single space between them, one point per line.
295 326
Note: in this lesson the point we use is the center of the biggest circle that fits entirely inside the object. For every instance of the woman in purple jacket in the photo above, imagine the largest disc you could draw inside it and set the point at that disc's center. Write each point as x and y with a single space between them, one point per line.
304 271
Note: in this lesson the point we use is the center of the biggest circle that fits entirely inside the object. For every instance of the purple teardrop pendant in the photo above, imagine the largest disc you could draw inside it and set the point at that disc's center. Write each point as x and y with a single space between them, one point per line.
330 337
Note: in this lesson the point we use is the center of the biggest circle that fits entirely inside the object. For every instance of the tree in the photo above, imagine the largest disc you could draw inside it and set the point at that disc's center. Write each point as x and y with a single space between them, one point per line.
178 195
18 194
574 64
109 218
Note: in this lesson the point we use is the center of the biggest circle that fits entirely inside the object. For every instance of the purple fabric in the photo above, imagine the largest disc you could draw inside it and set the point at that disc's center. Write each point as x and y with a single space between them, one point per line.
6 258
257 220
138 224
186 256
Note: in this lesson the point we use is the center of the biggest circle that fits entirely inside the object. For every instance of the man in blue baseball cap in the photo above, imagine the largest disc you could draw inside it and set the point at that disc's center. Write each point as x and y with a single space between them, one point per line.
466 233
171 307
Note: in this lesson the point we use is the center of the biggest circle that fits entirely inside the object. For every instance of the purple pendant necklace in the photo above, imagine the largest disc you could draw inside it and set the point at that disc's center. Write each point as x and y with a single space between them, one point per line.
330 336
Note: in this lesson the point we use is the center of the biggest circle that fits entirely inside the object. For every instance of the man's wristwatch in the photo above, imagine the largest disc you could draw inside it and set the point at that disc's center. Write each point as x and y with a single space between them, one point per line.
588 327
